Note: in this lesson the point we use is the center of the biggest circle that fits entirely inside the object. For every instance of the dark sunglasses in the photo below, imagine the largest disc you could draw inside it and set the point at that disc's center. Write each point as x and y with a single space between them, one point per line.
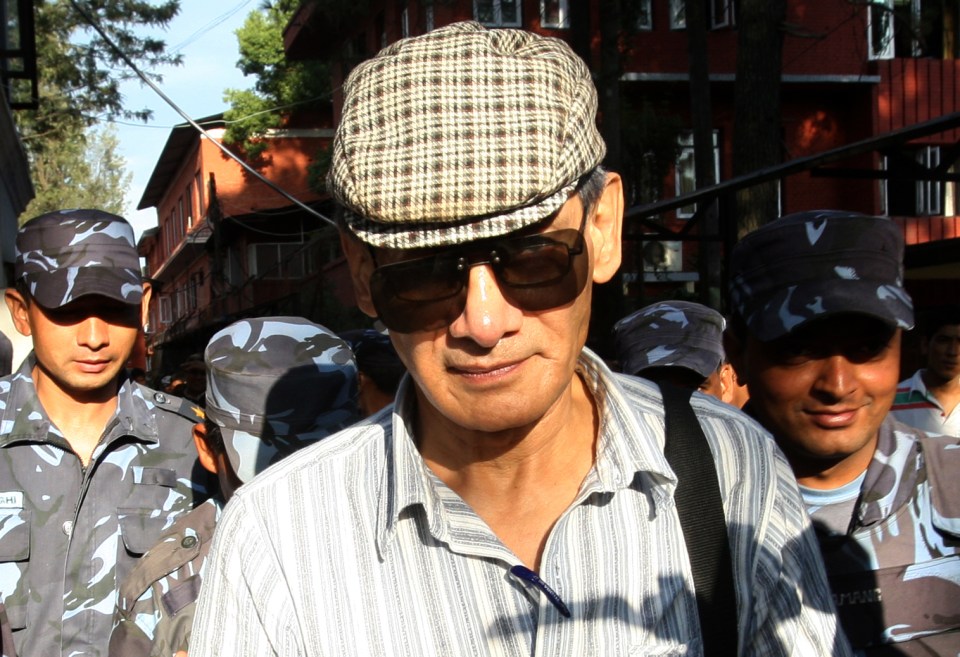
535 272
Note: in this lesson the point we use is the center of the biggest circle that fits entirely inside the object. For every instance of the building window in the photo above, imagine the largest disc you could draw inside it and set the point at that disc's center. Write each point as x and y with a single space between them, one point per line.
554 14
428 19
721 13
644 15
166 315
181 217
193 289
199 181
880 29
497 13
686 177
918 27
678 15
190 205
280 260
909 191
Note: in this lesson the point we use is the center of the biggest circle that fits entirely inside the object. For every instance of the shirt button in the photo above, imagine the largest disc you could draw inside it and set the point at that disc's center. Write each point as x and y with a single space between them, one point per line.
160 398
188 542
68 527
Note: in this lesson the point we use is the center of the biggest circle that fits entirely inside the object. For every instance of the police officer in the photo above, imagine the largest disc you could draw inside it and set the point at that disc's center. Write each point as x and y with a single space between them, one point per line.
273 386
819 309
93 467
676 341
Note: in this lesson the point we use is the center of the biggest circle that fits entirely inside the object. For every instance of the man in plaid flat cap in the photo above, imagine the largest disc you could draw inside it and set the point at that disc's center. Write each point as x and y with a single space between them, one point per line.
93 467
516 500
819 309
274 385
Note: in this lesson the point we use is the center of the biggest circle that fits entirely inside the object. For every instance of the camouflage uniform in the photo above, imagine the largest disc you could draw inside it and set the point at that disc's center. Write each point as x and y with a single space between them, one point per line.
69 534
155 609
895 571
273 386
895 574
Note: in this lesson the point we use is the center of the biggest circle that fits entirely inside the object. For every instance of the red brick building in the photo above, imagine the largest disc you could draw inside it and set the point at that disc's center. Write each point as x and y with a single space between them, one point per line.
227 245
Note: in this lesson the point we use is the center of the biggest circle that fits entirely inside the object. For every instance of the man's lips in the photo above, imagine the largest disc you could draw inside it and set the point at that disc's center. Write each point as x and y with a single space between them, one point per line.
485 370
93 366
833 418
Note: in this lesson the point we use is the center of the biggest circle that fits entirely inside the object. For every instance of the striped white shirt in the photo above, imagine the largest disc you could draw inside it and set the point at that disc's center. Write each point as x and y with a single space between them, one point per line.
354 547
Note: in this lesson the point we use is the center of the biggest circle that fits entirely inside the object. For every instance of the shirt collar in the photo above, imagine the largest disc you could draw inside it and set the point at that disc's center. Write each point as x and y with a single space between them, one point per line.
916 386
630 443
23 417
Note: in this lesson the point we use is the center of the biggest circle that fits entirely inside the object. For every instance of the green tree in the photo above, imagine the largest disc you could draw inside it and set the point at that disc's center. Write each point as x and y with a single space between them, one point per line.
80 76
281 86
86 172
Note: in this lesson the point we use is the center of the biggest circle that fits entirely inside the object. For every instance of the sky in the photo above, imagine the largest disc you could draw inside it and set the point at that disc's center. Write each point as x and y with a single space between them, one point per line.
203 32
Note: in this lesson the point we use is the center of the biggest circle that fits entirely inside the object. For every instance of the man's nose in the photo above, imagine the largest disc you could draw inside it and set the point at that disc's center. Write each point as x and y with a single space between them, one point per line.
487 315
836 378
93 333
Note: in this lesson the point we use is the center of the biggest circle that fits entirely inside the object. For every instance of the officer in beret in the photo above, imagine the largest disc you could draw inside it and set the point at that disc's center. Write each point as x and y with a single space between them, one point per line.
274 385
517 500
676 341
93 467
819 310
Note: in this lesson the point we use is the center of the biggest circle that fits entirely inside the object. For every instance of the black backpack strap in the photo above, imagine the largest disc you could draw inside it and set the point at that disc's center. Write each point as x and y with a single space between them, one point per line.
700 508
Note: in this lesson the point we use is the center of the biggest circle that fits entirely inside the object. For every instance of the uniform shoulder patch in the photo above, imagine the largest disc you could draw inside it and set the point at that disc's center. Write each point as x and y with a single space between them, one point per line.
183 407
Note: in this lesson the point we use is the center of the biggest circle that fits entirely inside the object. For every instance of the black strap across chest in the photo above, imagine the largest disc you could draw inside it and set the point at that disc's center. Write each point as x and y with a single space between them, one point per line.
700 508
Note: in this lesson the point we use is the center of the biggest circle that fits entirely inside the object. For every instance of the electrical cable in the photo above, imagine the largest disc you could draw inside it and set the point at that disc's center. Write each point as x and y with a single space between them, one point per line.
150 83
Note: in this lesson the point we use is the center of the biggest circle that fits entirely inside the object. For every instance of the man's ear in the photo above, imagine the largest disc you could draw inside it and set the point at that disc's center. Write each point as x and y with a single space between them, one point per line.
361 268
145 304
204 454
605 229
18 311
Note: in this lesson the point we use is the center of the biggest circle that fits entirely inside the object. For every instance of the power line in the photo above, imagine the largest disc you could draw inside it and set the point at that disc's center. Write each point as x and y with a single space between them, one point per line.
219 20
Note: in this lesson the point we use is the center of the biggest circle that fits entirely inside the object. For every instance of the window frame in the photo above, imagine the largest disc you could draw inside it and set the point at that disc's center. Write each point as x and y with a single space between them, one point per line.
722 16
678 15
876 9
644 21
306 265
496 7
563 10
685 149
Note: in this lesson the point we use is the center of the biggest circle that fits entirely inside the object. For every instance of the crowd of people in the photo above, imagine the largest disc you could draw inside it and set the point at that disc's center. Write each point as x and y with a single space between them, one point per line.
477 481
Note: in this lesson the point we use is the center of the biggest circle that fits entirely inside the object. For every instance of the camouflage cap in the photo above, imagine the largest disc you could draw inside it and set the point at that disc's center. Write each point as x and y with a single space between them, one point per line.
461 134
68 254
670 334
275 385
810 265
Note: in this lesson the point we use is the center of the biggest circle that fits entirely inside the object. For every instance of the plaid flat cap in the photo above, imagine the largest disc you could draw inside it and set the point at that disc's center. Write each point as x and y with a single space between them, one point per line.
461 134
670 334
810 265
275 385
68 254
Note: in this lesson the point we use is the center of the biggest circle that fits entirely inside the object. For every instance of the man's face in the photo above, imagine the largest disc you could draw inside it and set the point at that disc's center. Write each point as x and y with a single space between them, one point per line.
823 390
82 346
943 352
497 366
